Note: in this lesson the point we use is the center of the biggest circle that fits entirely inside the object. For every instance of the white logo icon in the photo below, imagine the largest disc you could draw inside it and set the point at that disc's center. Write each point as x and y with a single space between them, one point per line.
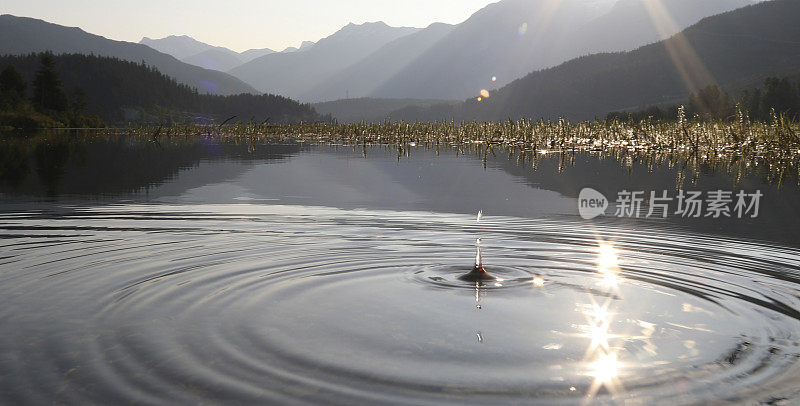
591 203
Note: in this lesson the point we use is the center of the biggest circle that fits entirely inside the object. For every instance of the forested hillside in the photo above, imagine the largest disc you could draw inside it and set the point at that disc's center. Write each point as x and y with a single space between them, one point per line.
120 91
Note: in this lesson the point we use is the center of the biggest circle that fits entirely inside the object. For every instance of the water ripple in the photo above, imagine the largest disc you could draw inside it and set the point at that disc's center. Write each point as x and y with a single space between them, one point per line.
250 303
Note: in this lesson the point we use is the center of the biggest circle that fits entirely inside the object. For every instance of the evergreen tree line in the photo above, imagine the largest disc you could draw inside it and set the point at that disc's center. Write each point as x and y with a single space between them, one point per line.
48 105
122 91
778 96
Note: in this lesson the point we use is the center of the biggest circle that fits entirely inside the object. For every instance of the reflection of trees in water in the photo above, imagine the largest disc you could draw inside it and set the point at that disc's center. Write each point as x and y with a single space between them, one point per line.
88 164
51 160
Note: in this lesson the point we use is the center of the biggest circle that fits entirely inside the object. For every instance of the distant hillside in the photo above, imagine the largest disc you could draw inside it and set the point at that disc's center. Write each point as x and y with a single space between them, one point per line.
367 75
736 50
121 91
295 73
20 35
512 38
371 110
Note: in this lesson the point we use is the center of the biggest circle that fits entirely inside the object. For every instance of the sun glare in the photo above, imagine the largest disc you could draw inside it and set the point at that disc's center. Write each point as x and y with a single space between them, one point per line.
607 263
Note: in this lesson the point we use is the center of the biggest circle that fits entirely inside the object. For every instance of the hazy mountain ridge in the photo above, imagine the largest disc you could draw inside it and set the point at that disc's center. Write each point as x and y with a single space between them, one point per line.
364 77
296 73
22 35
198 53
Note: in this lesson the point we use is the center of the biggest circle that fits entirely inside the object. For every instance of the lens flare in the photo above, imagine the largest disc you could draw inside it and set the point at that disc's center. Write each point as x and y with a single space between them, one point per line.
494 78
484 93
523 29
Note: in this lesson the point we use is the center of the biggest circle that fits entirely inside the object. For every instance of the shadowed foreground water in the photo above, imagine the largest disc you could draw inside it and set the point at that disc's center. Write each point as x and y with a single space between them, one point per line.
216 285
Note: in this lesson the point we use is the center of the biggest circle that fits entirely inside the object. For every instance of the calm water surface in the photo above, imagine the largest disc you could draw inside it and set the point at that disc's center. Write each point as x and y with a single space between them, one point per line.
193 271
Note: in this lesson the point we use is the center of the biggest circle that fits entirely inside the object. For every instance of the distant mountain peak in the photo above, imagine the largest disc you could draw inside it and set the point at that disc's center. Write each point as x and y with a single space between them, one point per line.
368 26
173 38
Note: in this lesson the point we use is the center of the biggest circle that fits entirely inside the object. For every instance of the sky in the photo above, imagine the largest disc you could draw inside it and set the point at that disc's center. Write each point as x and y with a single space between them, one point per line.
238 24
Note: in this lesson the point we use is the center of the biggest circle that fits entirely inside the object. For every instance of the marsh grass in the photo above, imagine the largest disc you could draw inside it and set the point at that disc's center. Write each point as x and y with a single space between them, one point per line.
736 147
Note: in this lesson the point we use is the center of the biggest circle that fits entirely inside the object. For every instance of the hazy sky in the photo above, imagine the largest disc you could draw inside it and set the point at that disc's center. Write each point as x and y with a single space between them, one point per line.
237 24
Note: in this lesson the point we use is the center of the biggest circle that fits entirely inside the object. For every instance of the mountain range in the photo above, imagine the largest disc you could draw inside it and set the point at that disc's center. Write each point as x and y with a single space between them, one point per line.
21 35
511 38
499 43
735 50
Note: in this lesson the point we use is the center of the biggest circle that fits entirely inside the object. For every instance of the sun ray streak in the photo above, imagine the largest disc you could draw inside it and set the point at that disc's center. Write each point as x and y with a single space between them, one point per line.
693 72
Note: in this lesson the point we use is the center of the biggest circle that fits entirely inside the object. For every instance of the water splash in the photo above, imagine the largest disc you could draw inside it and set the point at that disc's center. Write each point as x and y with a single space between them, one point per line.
478 273
478 257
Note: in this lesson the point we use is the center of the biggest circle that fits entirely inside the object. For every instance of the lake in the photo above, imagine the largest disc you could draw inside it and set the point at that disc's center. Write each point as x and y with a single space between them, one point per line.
197 270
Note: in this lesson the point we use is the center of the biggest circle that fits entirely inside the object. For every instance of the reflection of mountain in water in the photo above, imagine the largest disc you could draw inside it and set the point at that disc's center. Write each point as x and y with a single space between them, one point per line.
567 174
57 164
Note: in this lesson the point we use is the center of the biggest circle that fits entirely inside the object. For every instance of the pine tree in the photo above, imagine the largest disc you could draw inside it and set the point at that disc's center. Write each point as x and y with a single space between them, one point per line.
47 92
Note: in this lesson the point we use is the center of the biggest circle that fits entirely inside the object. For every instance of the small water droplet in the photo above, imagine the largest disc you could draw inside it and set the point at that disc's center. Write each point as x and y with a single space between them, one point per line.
480 337
478 307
